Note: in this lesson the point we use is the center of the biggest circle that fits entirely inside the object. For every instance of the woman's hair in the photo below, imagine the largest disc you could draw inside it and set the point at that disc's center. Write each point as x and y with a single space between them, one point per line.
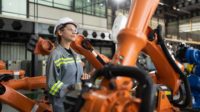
61 28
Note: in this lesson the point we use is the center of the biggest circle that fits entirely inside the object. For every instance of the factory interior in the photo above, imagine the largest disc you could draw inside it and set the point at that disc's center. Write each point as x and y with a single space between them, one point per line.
99 55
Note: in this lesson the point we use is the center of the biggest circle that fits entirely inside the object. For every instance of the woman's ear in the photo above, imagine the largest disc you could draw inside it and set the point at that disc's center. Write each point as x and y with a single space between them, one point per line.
59 32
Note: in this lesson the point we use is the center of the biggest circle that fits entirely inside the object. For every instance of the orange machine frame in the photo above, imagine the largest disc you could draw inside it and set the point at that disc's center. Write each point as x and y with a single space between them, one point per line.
12 97
2 65
132 40
27 83
19 73
21 102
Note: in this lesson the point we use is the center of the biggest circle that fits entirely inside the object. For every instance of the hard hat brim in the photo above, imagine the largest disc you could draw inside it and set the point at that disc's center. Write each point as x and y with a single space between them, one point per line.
72 23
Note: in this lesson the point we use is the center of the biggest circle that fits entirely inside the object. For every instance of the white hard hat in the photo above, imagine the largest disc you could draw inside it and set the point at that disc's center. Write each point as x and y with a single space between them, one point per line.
62 21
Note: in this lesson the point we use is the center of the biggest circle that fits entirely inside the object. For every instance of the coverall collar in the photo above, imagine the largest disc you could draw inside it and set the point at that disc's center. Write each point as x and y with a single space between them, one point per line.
64 52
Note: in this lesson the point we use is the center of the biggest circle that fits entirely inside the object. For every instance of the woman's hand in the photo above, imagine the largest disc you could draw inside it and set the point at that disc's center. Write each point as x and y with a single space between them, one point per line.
85 76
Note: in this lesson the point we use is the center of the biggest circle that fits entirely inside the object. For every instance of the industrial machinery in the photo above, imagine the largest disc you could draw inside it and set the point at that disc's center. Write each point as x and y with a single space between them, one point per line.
169 79
187 54
2 65
169 91
12 80
10 96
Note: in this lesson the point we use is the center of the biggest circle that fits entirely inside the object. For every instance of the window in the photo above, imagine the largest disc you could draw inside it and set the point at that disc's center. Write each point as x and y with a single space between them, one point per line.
11 8
43 2
100 8
65 4
84 6
93 7
78 5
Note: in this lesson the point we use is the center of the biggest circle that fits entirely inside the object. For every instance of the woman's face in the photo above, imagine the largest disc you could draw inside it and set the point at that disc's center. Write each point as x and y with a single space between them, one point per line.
68 33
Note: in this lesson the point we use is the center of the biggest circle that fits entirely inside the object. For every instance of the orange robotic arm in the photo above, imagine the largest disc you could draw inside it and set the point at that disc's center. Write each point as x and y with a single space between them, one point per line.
27 83
2 65
132 40
80 45
169 71
19 73
167 75
21 102
15 99
83 46
12 97
41 46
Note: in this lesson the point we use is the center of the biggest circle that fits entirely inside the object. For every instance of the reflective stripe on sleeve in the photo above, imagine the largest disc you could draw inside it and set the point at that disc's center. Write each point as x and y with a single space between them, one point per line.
54 89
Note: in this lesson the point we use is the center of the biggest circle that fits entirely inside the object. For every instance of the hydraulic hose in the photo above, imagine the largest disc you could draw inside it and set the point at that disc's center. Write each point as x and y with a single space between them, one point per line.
146 83
176 68
87 45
